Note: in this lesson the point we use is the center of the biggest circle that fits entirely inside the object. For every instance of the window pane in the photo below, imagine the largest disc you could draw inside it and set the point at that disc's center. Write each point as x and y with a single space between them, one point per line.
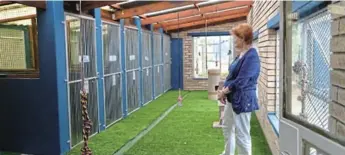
18 39
215 56
225 55
312 78
199 57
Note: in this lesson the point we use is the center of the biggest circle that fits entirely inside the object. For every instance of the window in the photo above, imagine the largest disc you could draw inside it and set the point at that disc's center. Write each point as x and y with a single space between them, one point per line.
18 41
310 52
312 69
216 55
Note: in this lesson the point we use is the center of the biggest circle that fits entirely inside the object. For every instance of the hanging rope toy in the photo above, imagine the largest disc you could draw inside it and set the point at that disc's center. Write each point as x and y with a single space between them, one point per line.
87 124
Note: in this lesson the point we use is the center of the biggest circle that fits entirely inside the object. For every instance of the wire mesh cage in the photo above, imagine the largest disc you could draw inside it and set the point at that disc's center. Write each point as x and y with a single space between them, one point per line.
81 50
112 72
147 85
113 98
158 79
158 67
157 44
167 62
133 90
132 68
147 66
111 48
167 77
81 30
75 108
89 48
166 48
312 66
132 48
146 49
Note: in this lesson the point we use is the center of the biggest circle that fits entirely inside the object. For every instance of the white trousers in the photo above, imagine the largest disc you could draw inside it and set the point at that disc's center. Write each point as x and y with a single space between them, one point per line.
236 131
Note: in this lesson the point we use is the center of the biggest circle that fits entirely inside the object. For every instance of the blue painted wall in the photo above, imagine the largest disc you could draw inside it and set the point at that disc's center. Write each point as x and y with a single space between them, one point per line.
177 63
33 112
99 53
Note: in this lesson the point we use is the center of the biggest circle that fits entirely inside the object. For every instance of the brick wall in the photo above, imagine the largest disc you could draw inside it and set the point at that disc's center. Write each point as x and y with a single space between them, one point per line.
189 82
261 12
337 106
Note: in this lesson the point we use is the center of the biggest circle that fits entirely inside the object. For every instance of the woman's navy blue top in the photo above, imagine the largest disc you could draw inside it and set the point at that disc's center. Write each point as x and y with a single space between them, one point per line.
242 81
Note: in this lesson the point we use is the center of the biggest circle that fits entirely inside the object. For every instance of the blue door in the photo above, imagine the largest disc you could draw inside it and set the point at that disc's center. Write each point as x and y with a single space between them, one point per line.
177 63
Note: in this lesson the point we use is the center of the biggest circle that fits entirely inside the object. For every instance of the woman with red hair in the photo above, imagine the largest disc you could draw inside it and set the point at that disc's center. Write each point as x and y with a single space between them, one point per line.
239 92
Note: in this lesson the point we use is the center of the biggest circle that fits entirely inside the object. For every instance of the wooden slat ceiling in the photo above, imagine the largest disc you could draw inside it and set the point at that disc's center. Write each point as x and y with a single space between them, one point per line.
206 22
242 11
191 17
191 12
169 21
152 7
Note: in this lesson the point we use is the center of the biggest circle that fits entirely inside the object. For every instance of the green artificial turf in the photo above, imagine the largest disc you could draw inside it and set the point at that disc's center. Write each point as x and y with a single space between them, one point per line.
187 130
113 138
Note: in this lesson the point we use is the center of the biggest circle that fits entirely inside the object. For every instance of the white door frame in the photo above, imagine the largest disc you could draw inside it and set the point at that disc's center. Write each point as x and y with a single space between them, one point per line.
292 134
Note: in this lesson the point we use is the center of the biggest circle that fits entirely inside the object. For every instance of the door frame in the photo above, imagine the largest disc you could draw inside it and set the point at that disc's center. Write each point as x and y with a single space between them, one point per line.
294 132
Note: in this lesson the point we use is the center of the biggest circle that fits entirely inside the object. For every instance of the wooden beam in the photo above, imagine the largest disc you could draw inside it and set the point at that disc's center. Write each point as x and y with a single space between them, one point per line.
209 21
106 15
152 7
37 4
200 17
191 12
88 5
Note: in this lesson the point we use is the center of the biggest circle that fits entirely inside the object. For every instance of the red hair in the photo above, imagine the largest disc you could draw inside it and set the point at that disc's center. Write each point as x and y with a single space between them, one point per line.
243 31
